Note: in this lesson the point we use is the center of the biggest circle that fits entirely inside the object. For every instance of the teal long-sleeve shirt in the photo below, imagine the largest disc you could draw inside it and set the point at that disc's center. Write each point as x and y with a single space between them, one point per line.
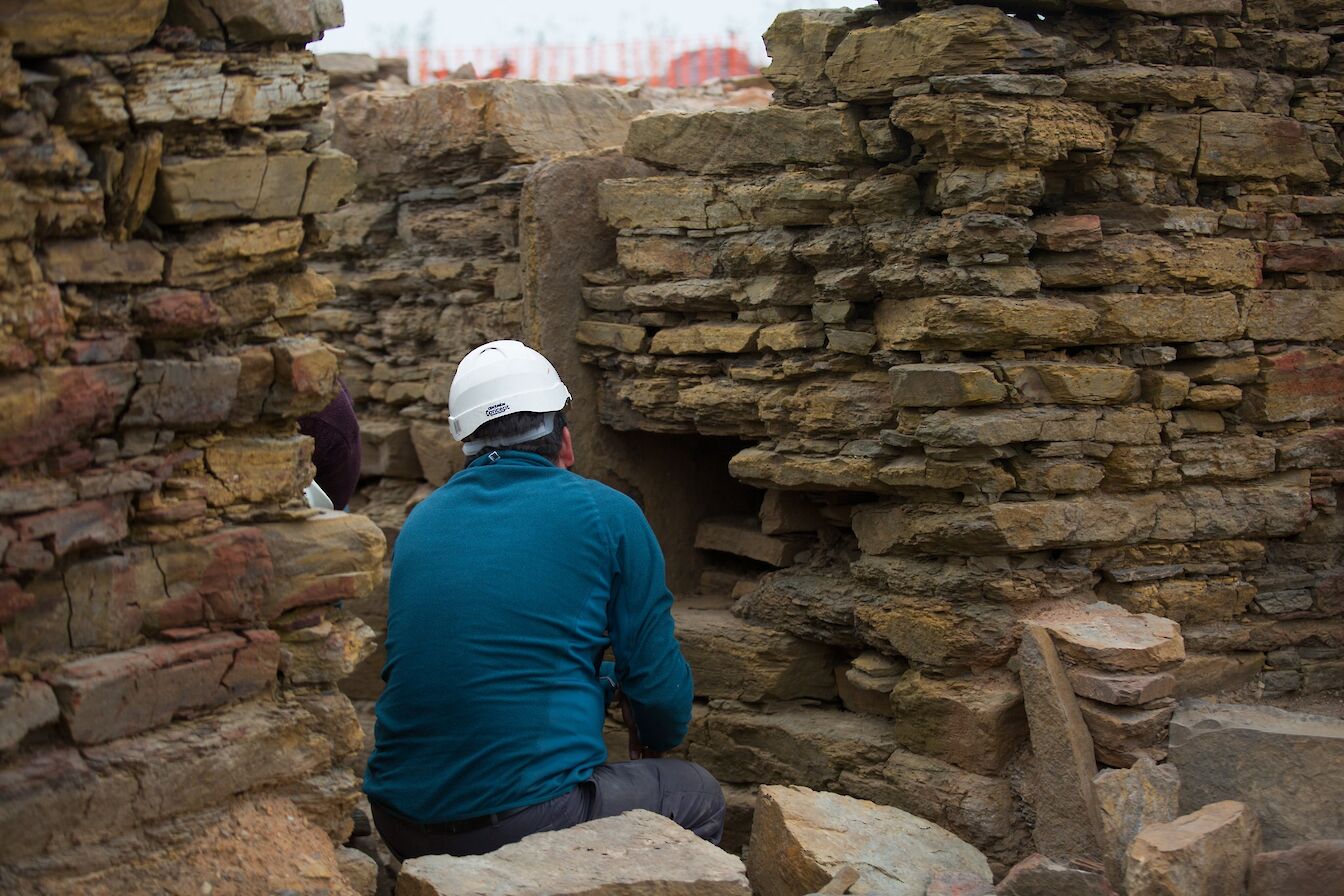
508 584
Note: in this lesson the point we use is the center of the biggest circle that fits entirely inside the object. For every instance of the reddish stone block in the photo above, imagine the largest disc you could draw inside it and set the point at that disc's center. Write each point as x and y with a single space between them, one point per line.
305 377
177 313
1301 384
1299 257
35 326
51 406
116 694
1065 233
85 524
220 578
106 596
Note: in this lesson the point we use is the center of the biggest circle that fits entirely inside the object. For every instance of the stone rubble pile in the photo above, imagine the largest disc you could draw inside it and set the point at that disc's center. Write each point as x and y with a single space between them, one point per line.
1017 323
169 630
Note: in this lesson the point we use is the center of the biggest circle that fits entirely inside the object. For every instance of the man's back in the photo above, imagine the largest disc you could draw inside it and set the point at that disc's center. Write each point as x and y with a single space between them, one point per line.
507 586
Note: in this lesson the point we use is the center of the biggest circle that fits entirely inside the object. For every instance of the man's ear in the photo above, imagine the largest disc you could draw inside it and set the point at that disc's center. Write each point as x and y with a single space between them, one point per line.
566 457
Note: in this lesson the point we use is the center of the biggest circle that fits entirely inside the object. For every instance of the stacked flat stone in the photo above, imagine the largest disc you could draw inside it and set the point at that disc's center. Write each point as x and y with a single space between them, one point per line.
1023 320
169 632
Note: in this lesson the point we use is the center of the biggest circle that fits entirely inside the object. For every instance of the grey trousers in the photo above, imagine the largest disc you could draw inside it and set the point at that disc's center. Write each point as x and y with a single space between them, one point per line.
679 790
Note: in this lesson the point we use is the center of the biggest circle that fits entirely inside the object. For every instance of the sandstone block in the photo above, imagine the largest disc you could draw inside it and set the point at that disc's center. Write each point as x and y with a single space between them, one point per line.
866 683
1275 506
1070 383
975 723
398 139
258 21
800 838
738 660
305 377
69 26
1037 875
1166 141
230 186
1124 734
1161 317
24 706
1204 674
635 852
117 694
440 454
798 43
327 652
323 559
54 800
1319 447
706 338
1281 764
198 87
1106 638
1012 185
1148 259
217 256
1065 233
1067 821
85 524
622 337
330 179
744 538
184 394
782 512
869 63
723 140
792 336
1223 89
940 632
1204 853
1299 384
944 385
1312 869
1168 8
222 577
1033 131
981 323
386 449
1244 145
1295 314
1121 690
96 261
655 202
1129 800
258 469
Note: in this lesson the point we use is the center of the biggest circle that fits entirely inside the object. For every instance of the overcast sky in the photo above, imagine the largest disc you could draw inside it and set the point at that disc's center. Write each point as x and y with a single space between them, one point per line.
373 25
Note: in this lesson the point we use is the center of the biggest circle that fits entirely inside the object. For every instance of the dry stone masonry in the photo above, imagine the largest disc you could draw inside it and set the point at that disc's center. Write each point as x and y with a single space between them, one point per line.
169 622
1020 323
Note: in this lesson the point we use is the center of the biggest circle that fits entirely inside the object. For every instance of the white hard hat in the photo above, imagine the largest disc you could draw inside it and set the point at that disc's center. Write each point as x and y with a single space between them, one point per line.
499 378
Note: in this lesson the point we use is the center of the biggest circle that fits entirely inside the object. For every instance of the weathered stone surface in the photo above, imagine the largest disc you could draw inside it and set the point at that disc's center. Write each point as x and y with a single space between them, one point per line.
96 261
1123 735
724 140
1200 262
1312 869
68 26
1034 131
117 694
635 852
798 43
739 660
1281 764
800 838
221 255
866 683
1067 821
1128 800
184 394
251 21
945 385
325 653
1201 854
326 558
198 88
1107 639
1295 314
743 537
256 470
981 323
1037 875
1168 8
1058 383
1121 690
622 337
976 723
1244 145
399 138
1179 86
24 706
234 186
708 338
870 62
1299 384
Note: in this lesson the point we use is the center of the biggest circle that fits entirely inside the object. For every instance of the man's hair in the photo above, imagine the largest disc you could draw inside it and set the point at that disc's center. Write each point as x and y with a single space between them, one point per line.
548 446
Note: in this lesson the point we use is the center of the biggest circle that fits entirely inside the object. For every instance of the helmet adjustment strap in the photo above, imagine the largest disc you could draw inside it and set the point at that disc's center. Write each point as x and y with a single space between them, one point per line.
472 447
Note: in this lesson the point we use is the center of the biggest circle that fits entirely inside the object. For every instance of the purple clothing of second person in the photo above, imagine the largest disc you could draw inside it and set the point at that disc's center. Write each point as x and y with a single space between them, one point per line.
336 449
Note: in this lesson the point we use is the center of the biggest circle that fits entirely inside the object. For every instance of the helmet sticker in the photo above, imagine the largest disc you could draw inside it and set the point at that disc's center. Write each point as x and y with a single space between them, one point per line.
496 409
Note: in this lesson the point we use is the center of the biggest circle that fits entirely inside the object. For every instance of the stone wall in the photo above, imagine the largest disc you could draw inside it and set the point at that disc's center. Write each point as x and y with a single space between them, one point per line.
1028 318
168 604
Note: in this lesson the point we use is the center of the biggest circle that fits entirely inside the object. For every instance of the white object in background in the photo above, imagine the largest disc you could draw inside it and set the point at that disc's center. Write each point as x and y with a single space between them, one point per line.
317 498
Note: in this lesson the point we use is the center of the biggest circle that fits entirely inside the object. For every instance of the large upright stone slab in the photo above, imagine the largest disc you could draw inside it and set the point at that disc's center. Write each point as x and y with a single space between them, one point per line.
638 852
1066 813
1312 869
1286 766
801 838
1205 853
